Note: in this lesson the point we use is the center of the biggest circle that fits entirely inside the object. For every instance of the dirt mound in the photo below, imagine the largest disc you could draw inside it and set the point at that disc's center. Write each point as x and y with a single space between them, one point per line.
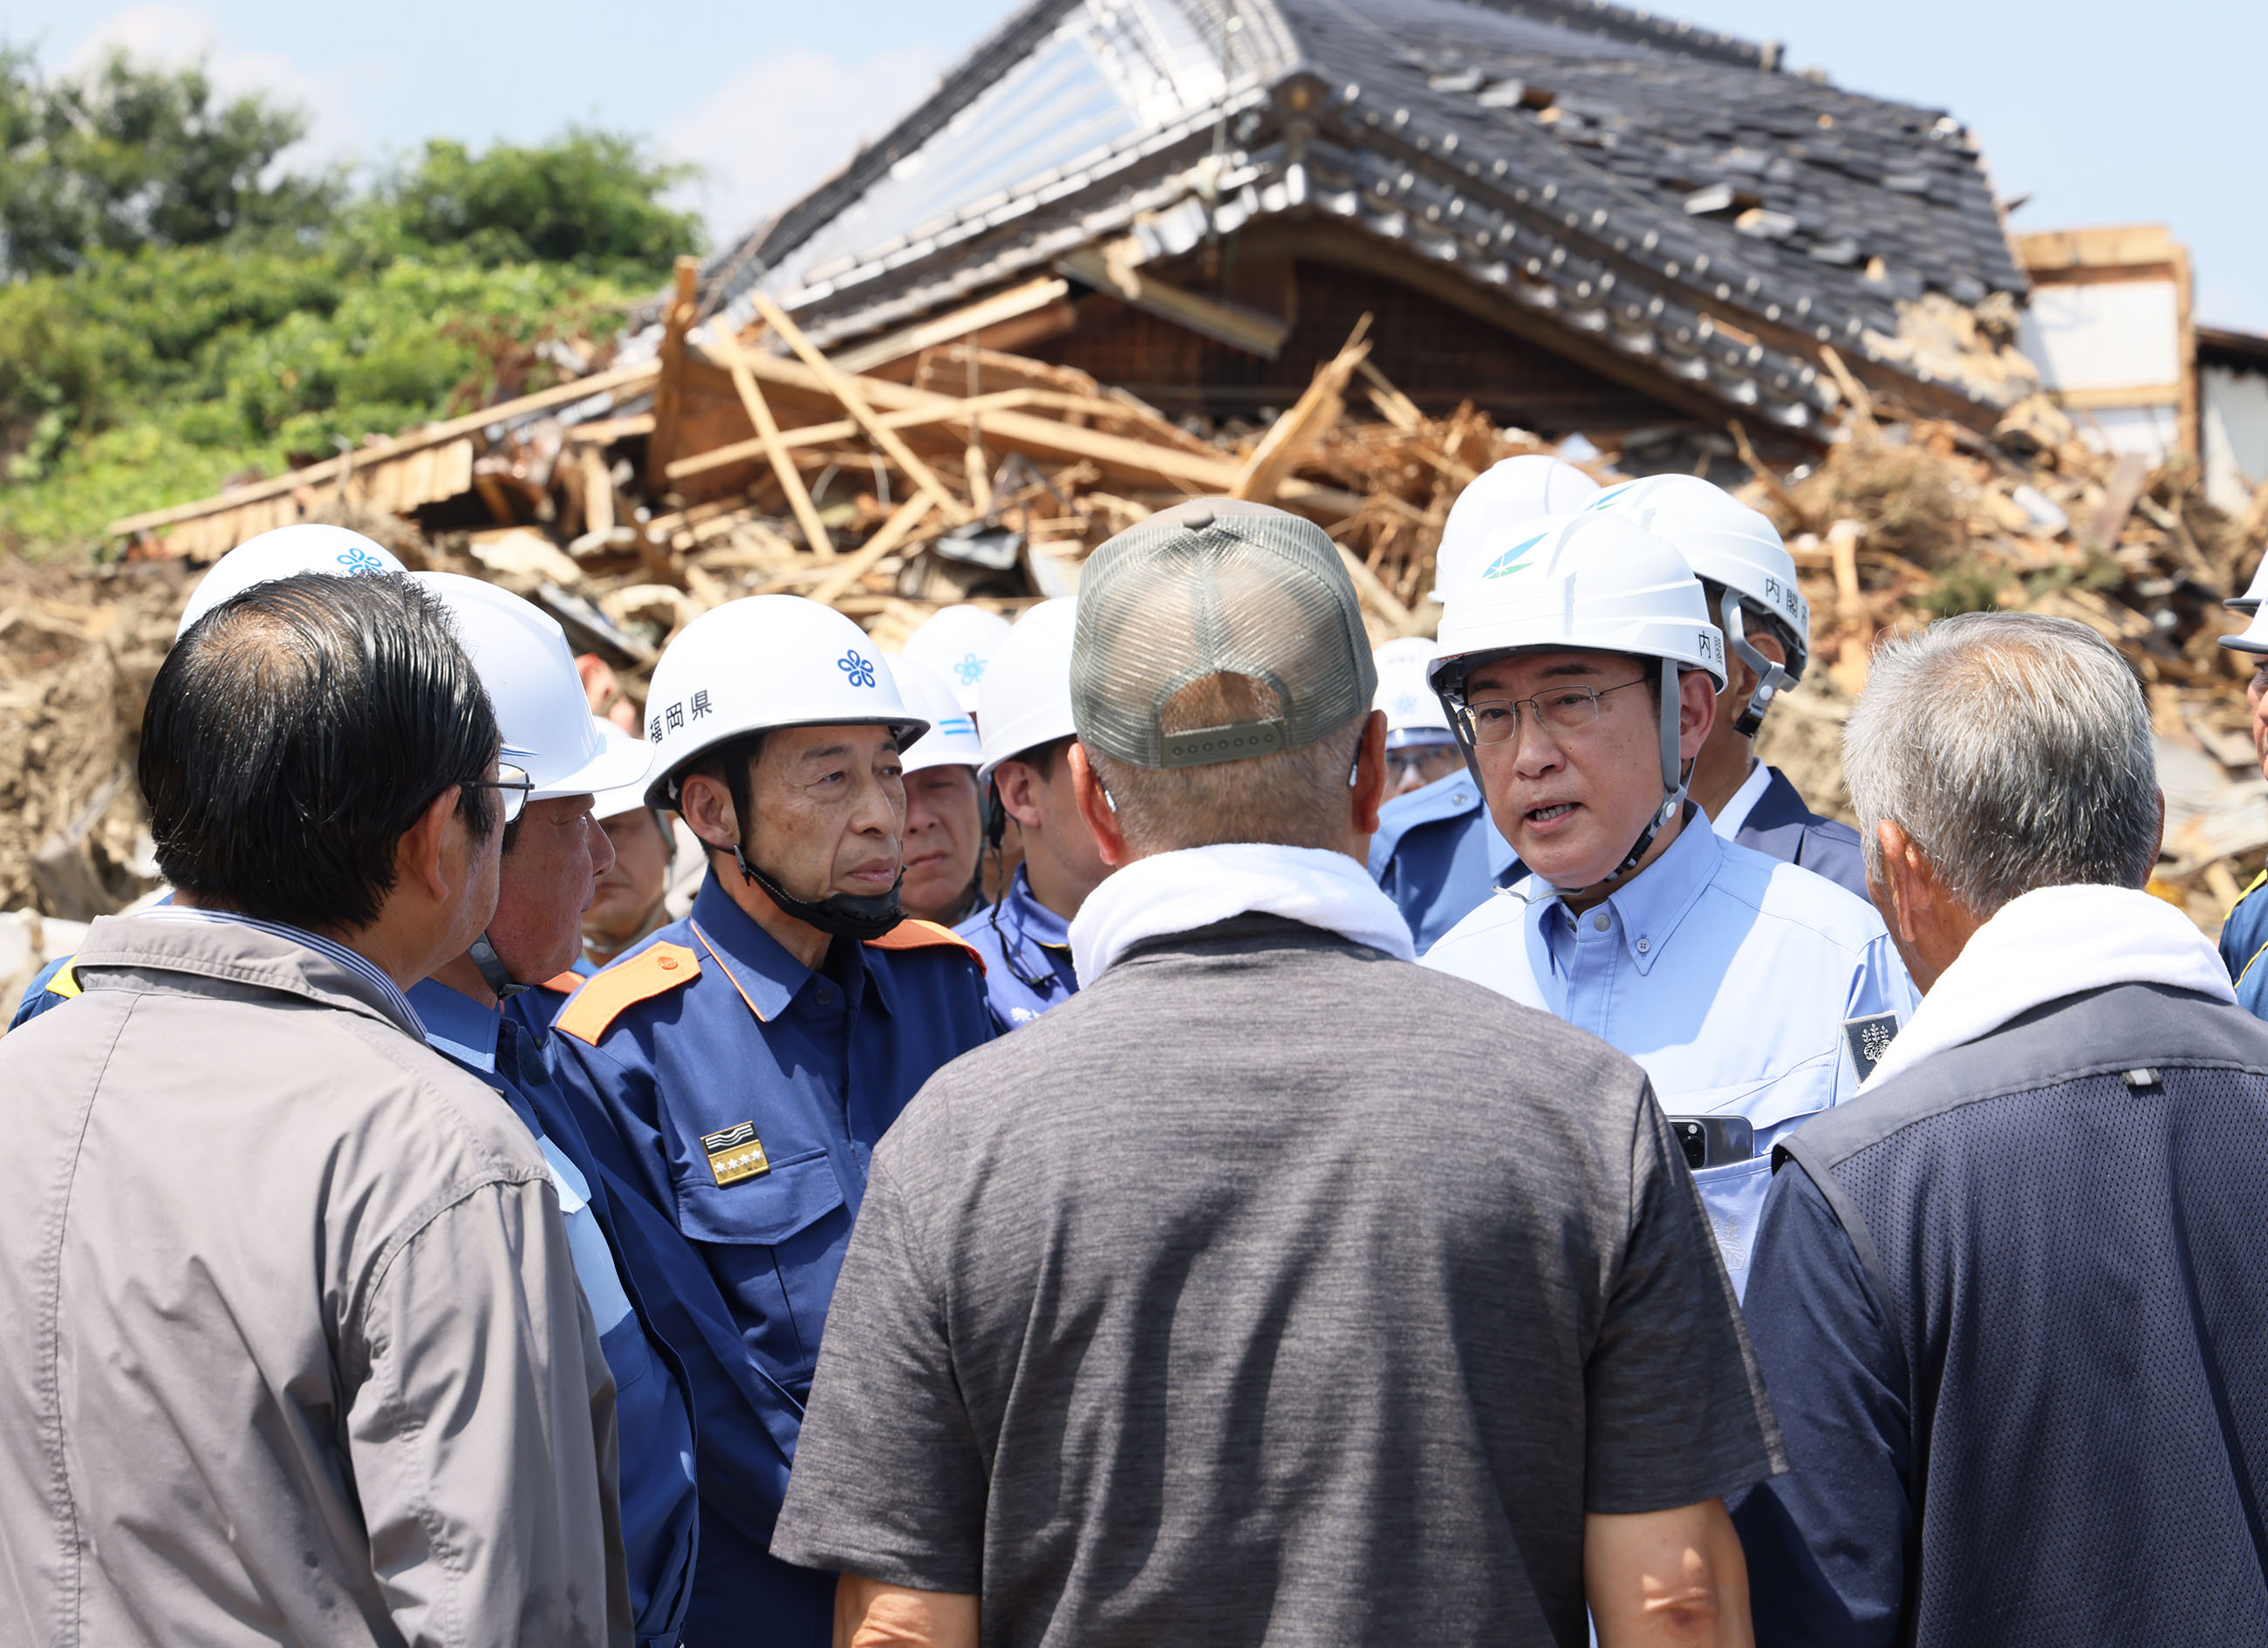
78 649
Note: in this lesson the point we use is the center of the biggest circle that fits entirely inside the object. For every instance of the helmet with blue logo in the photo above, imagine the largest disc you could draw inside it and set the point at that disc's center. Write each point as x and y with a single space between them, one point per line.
281 554
760 663
1511 492
951 741
1596 581
956 644
1736 549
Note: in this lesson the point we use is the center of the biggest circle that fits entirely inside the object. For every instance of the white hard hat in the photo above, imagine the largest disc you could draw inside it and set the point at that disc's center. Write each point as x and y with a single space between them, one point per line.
955 643
1414 714
1598 582
951 741
629 796
2249 601
1511 492
1722 540
1729 544
522 657
281 554
1594 581
1028 685
2255 636
759 663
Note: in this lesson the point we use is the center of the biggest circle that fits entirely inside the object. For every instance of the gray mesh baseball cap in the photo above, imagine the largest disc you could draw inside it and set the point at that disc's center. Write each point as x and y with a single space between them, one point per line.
1216 586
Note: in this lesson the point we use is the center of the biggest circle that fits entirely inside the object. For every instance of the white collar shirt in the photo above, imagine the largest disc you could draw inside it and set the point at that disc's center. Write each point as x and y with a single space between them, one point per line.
1727 819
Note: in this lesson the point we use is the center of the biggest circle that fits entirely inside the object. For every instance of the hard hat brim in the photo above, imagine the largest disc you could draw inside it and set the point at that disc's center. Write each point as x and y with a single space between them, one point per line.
908 728
615 767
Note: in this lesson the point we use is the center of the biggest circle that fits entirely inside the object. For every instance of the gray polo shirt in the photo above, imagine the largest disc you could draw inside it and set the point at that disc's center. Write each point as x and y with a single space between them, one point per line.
1272 1291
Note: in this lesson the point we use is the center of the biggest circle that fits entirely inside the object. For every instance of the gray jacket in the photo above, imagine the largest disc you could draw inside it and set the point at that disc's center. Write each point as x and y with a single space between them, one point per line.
291 1347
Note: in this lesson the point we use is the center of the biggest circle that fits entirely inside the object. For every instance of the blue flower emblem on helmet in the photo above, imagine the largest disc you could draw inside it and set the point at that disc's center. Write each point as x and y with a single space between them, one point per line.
861 670
1512 559
970 669
357 560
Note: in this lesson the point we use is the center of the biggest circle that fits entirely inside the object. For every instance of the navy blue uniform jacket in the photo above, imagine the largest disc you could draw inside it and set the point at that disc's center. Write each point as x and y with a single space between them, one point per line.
741 1094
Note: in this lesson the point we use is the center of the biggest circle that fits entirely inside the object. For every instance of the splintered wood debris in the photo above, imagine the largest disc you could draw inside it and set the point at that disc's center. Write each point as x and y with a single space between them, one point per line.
628 502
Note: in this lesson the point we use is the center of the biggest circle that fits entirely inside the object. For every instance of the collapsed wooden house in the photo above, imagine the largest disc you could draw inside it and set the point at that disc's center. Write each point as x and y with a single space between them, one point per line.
1573 216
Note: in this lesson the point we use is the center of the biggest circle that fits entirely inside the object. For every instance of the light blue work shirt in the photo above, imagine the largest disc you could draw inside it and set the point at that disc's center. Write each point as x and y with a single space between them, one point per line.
1437 855
1026 947
1744 986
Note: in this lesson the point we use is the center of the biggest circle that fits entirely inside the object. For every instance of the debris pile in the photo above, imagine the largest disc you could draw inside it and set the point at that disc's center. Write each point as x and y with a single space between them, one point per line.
633 499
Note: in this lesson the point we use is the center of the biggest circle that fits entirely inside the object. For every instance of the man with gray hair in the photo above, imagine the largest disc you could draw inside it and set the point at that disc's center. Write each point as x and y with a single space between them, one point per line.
2009 1300
1192 1313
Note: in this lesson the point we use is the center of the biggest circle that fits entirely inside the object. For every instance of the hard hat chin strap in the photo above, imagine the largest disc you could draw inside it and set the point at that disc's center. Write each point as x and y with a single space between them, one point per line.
1770 677
492 969
1677 775
845 915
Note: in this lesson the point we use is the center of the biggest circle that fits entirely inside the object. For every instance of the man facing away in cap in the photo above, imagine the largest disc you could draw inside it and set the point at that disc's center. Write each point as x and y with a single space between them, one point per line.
739 1066
1187 1314
1582 671
296 1352
1026 722
480 1014
2010 1299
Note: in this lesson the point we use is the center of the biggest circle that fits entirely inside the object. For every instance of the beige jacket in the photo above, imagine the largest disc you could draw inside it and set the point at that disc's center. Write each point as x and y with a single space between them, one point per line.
291 1348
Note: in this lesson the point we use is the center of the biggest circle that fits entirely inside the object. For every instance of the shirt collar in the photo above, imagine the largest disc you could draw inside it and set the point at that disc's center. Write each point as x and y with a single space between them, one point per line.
1033 920
768 975
1735 811
361 967
1650 906
455 1024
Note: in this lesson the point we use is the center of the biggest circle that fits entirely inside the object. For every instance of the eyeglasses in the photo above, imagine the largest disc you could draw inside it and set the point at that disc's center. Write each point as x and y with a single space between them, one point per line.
1422 761
513 786
1562 709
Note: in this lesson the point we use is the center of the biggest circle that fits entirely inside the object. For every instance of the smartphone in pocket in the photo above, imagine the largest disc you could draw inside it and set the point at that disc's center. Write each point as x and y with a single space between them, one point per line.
1713 1141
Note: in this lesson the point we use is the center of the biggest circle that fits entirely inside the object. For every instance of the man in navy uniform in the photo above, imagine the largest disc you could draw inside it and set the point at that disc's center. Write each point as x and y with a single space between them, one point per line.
2244 935
1024 718
740 1064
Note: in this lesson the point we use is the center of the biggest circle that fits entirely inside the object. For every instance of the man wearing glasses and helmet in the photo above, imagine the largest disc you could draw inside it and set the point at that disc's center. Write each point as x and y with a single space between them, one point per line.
1581 672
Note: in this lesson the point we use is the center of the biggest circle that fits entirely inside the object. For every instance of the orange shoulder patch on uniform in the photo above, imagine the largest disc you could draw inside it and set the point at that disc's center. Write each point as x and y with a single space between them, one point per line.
913 933
563 984
653 971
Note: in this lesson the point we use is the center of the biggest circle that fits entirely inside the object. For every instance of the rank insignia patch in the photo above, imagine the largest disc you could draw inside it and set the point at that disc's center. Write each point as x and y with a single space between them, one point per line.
735 1154
1870 1038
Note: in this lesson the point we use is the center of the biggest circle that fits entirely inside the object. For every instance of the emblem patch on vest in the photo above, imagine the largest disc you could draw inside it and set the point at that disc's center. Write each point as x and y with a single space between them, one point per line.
1870 1038
735 1154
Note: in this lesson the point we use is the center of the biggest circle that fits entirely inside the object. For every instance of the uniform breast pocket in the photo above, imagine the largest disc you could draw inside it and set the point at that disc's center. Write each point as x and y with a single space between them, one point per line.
1734 1192
774 1243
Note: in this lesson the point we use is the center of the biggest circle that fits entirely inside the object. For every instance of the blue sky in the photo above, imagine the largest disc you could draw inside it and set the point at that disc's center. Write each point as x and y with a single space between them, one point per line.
2100 113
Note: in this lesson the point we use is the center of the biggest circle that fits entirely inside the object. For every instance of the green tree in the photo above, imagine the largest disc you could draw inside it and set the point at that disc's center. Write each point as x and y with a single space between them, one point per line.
130 156
588 198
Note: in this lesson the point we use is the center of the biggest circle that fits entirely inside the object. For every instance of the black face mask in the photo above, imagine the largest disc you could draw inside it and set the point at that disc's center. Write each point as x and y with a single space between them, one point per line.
492 970
842 914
